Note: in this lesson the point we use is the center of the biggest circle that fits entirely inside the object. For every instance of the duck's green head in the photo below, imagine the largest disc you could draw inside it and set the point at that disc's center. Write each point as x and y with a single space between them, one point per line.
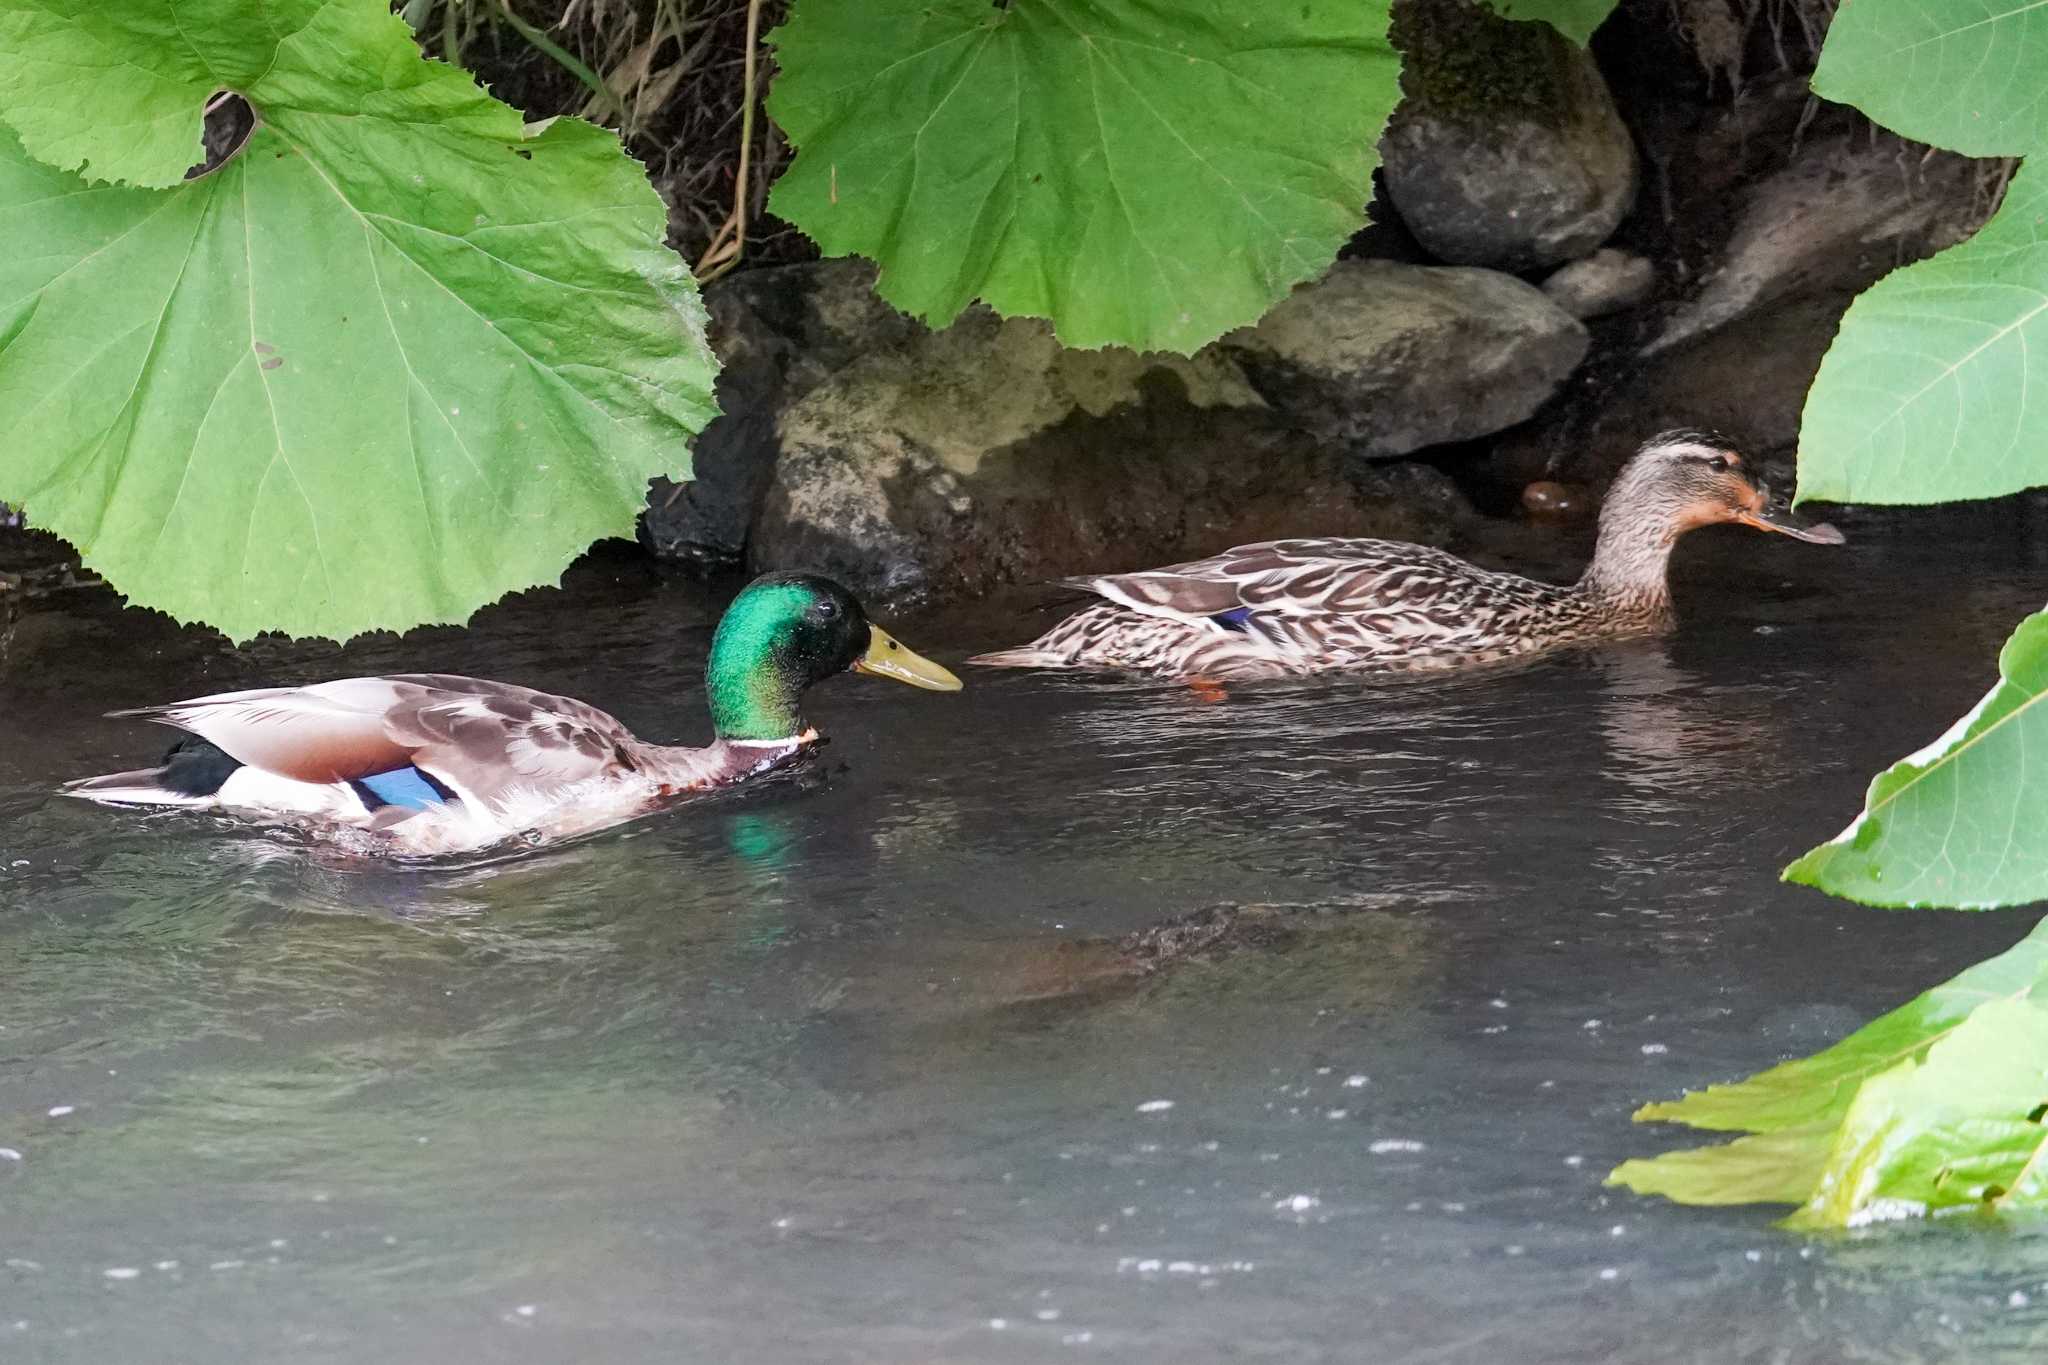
787 631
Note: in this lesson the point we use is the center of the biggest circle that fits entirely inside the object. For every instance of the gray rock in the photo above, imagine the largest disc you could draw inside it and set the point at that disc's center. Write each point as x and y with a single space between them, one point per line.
1507 150
777 334
1845 211
986 453
1381 359
1608 281
915 463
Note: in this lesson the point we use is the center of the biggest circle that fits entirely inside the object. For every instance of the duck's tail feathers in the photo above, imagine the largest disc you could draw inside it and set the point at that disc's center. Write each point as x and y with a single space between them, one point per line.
192 774
142 787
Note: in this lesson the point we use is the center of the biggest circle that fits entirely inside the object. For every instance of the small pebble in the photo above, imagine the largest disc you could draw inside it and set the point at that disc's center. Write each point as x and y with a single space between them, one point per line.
58 1111
1155 1106
121 1272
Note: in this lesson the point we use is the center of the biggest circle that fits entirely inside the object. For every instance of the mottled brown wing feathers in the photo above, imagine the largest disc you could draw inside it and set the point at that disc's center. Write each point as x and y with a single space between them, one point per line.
1163 592
487 738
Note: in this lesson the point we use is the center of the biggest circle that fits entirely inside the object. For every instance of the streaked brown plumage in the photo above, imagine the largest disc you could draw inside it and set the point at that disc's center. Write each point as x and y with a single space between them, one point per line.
1290 607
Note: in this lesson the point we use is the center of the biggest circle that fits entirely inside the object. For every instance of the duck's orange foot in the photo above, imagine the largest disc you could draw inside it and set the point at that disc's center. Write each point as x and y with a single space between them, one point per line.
1207 690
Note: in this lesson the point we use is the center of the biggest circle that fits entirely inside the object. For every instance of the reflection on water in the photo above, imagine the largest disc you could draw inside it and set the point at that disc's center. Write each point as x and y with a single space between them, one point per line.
1064 1017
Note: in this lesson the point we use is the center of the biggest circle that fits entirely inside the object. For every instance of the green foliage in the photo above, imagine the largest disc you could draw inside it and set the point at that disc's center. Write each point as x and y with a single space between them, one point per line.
1957 825
1144 175
1932 1106
1820 1089
1961 74
400 355
113 90
1936 387
1575 19
1931 392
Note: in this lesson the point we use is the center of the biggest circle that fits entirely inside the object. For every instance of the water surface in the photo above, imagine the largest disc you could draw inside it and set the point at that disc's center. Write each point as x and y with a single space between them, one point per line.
848 1069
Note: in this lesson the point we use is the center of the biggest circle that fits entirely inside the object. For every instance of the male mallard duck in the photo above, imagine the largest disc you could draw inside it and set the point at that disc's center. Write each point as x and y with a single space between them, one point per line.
431 763
1288 607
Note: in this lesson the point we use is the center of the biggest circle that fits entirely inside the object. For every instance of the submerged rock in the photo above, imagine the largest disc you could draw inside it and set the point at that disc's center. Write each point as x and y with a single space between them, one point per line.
1507 150
1381 359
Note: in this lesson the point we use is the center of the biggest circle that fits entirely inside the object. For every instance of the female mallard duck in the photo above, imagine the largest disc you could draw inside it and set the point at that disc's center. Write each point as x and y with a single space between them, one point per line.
431 763
1289 607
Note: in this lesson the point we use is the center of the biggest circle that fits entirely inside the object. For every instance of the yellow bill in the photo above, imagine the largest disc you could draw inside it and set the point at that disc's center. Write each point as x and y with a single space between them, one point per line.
887 658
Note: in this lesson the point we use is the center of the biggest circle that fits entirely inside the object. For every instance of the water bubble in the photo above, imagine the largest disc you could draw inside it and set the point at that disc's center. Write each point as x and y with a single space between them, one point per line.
1155 1106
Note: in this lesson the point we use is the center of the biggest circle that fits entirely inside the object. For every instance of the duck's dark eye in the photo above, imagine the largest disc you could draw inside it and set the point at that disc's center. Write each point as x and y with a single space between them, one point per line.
825 609
1718 463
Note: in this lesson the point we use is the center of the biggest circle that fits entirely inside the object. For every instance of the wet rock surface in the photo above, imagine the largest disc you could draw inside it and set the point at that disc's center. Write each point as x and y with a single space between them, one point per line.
1845 211
913 463
987 454
778 333
1378 359
1508 150
1608 281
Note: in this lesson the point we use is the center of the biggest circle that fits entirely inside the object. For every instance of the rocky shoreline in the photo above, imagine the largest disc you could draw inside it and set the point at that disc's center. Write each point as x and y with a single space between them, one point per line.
1568 250
1561 261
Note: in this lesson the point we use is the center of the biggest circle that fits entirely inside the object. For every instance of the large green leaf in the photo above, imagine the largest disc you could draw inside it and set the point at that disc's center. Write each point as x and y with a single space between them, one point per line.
1961 1128
1958 824
1820 1089
401 355
1142 174
1931 1106
111 88
1968 75
1781 1167
1936 387
1575 19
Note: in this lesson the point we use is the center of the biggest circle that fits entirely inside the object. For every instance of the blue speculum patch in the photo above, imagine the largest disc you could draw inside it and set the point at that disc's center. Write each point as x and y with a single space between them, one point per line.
1233 619
407 786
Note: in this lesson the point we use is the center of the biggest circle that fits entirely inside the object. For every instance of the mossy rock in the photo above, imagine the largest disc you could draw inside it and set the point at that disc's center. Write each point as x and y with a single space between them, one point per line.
1507 150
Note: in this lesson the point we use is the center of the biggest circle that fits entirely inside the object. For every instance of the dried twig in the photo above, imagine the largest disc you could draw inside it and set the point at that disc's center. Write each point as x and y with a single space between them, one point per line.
730 242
